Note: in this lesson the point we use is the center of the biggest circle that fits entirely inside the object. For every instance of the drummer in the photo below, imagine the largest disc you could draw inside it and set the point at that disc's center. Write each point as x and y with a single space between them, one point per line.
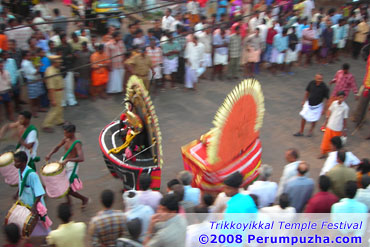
73 155
27 136
31 192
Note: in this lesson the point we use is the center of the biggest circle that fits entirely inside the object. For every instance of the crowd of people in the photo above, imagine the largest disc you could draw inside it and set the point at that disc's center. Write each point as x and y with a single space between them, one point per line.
192 41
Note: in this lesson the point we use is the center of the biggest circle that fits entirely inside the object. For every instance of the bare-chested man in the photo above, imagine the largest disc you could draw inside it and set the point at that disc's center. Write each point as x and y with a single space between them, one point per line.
27 136
73 155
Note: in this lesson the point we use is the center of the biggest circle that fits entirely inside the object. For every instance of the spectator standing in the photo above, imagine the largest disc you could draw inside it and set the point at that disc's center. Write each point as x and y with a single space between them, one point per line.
308 36
327 46
128 39
280 46
335 124
271 32
167 228
61 24
155 54
10 66
339 175
290 170
194 54
263 188
192 7
69 233
6 91
171 50
235 51
108 225
292 52
322 201
99 73
361 33
115 48
253 48
68 57
167 21
38 20
340 33
146 195
300 188
141 65
34 85
205 37
83 77
181 40
362 170
220 45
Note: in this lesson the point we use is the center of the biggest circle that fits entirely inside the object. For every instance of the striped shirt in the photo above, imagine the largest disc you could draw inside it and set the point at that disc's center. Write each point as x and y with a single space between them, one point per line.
155 55
113 48
106 227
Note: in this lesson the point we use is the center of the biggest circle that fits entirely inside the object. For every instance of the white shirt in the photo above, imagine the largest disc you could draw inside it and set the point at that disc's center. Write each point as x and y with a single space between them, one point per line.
194 231
253 23
331 161
266 192
206 40
44 10
309 5
263 32
290 170
198 28
363 195
194 54
44 28
29 71
167 22
56 40
277 210
174 24
31 138
192 7
338 112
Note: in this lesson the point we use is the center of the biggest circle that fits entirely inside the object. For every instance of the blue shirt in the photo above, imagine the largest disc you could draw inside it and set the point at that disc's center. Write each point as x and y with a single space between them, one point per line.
32 189
147 41
11 66
218 40
43 44
299 190
335 18
45 63
191 194
240 203
352 211
281 43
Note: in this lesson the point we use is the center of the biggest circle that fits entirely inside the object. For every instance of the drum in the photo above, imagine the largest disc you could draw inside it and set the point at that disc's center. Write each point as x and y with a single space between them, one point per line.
55 180
8 170
23 217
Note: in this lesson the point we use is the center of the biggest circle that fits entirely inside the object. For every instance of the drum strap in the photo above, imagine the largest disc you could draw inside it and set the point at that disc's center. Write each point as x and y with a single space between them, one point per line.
73 175
24 179
25 134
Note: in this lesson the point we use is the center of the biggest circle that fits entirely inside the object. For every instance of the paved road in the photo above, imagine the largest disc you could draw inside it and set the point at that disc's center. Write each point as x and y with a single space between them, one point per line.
183 117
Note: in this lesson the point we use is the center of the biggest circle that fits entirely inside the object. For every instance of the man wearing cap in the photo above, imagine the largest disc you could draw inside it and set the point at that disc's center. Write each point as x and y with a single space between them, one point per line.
140 65
238 203
55 86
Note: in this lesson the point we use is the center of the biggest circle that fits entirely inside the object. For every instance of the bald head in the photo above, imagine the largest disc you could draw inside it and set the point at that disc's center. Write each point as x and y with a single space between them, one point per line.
291 155
302 168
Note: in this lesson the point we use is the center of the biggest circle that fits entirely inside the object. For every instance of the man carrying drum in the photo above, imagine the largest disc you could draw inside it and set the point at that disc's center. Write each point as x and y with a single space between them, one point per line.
30 194
27 135
73 155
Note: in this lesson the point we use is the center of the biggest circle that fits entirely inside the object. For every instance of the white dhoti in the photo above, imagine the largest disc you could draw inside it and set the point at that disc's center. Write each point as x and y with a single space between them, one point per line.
115 83
311 113
291 56
277 57
69 168
220 59
191 77
158 73
207 60
170 65
69 94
